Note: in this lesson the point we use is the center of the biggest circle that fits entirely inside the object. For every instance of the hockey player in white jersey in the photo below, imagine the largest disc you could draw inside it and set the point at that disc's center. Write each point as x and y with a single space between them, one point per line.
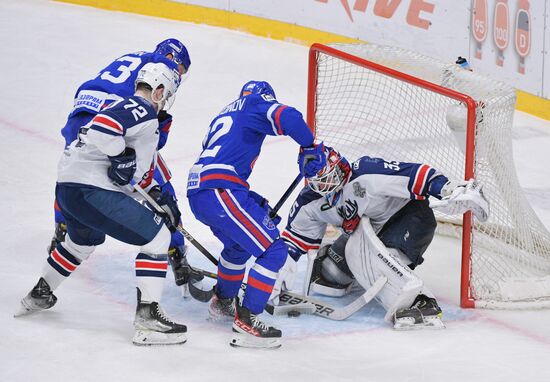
384 209
115 148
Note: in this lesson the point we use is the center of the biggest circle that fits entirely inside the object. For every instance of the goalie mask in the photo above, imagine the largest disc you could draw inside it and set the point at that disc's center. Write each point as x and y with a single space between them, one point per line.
332 178
258 87
159 75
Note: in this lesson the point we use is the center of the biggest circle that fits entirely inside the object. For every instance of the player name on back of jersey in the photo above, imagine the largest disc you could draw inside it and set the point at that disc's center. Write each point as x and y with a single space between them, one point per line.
234 106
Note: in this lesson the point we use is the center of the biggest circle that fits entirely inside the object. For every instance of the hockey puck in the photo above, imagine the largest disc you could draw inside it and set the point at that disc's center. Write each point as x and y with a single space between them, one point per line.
293 313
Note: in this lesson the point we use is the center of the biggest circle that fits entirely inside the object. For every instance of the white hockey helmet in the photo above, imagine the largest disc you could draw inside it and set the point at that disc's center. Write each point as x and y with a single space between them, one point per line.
156 75
332 178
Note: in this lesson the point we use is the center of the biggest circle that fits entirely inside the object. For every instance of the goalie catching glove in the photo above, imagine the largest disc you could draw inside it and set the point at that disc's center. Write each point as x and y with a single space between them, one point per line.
457 198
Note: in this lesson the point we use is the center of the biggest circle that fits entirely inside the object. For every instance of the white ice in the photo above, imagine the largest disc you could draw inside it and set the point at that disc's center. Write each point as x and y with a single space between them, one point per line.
46 50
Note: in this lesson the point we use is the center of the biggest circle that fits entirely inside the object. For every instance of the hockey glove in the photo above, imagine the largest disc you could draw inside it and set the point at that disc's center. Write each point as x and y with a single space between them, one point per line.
461 197
123 167
311 159
169 204
165 122
180 267
349 225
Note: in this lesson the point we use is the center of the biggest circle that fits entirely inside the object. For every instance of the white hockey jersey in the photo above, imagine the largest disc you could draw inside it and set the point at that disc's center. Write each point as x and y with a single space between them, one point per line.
130 122
377 189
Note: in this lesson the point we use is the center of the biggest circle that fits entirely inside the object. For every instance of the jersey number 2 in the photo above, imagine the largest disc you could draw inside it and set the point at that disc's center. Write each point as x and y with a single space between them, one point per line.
219 128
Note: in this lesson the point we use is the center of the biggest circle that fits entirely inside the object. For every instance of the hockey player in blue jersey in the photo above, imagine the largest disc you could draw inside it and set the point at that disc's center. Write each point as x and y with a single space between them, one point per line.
112 83
384 209
219 196
114 148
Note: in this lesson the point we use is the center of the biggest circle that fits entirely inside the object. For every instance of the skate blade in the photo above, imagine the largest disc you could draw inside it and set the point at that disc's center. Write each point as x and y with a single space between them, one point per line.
242 340
433 323
25 310
150 337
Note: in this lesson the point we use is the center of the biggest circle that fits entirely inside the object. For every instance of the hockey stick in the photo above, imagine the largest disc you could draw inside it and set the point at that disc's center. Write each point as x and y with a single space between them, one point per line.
305 307
285 196
184 232
325 310
294 302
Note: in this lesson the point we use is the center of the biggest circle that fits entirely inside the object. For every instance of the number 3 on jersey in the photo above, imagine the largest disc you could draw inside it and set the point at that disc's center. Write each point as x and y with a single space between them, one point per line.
218 128
124 69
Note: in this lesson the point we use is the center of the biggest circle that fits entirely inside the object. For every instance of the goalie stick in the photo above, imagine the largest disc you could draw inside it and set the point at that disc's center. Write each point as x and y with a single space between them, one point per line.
337 313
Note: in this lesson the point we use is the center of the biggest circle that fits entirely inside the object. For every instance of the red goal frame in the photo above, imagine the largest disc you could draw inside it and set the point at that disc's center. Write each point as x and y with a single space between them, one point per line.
466 299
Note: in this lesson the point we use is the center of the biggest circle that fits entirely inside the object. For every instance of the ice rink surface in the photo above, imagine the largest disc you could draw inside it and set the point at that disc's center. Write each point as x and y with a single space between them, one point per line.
46 50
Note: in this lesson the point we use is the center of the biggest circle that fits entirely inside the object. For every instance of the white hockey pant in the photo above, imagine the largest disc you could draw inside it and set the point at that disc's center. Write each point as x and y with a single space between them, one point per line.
368 259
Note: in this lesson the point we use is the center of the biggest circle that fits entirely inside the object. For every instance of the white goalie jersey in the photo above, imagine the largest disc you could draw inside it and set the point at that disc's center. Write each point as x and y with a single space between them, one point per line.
376 188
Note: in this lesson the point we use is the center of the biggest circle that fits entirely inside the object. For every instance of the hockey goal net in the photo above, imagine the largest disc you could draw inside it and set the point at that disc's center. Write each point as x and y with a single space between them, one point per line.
387 102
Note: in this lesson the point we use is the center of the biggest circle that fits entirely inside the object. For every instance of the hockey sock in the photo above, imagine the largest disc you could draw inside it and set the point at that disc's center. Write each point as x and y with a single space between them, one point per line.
259 288
60 265
230 278
150 274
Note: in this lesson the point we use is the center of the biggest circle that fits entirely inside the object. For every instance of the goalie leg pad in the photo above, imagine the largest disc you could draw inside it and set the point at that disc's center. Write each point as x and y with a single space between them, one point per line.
369 259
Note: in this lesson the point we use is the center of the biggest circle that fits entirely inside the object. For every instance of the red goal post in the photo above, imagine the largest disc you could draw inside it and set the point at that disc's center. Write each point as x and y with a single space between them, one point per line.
373 100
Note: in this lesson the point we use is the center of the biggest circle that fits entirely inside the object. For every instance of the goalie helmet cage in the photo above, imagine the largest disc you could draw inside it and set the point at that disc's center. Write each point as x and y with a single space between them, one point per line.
366 99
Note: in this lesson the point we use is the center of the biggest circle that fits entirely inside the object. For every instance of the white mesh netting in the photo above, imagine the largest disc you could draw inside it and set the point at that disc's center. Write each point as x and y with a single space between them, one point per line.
363 112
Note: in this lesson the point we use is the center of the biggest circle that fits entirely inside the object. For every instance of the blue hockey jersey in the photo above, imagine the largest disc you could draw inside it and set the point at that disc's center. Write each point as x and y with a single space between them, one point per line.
234 141
115 81
112 83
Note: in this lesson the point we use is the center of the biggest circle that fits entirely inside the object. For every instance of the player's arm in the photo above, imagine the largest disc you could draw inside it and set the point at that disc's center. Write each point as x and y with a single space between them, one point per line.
165 123
305 229
286 120
418 181
414 181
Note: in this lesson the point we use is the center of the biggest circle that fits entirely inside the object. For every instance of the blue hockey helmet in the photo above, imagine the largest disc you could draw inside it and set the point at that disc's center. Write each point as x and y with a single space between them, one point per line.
257 87
177 50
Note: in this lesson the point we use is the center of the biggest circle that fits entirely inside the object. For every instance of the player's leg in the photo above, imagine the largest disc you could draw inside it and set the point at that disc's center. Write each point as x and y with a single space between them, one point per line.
407 235
123 218
79 242
368 259
177 250
70 133
239 217
231 270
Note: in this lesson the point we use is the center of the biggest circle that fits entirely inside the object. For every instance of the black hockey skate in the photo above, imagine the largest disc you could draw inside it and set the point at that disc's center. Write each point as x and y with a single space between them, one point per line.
424 313
154 328
58 236
39 298
221 309
249 331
